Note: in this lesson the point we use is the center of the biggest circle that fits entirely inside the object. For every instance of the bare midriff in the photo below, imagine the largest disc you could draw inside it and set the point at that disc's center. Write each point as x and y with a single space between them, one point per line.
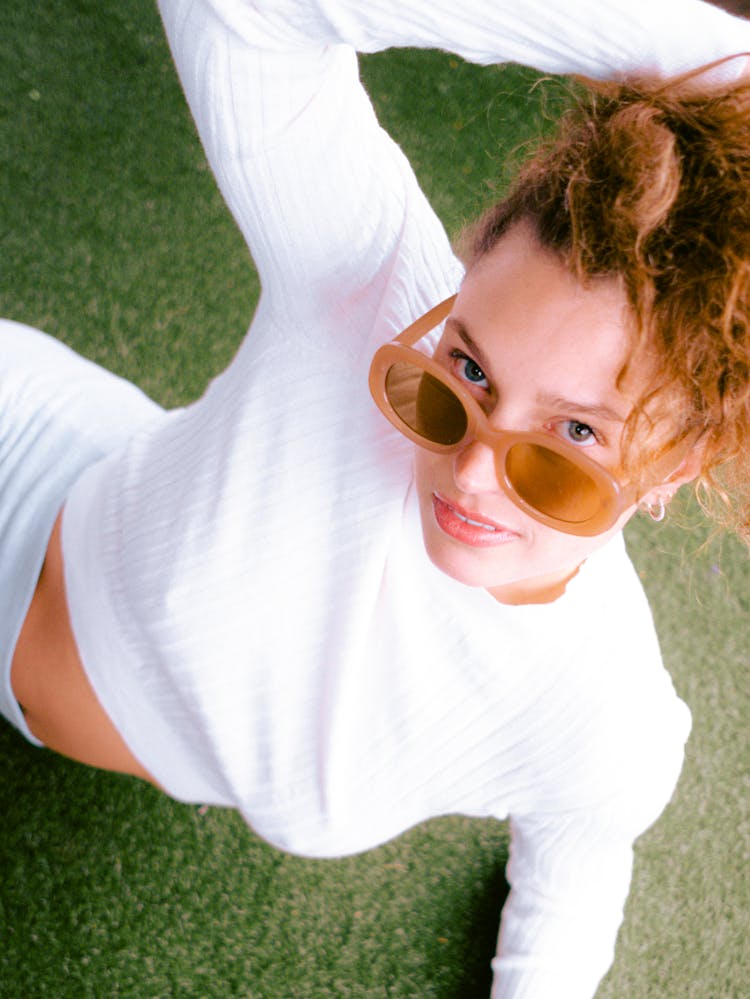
50 684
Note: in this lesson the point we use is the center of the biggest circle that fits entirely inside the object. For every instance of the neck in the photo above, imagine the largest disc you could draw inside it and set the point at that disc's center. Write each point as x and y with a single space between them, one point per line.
537 590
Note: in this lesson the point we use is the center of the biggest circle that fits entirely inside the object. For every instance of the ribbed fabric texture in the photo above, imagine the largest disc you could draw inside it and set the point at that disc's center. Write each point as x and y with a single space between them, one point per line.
247 582
58 414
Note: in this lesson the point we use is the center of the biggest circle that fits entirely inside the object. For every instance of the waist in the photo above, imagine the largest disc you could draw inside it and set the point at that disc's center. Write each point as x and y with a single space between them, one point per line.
50 683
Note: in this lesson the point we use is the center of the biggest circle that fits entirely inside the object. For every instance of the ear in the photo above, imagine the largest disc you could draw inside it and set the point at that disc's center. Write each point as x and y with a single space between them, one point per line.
688 469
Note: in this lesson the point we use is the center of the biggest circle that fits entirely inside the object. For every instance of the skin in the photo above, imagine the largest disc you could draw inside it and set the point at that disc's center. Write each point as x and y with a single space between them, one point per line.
528 335
50 683
540 352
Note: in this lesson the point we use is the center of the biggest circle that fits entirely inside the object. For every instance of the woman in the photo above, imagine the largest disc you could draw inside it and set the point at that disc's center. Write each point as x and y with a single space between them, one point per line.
436 659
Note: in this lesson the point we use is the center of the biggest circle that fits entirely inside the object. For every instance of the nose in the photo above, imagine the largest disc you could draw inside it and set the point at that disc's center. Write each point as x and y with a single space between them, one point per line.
474 469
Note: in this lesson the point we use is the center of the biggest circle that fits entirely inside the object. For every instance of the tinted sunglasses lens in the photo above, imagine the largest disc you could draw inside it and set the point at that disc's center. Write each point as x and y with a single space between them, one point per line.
425 404
552 484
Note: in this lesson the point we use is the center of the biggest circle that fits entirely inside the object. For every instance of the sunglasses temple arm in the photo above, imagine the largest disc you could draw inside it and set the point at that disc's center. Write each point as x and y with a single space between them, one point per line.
412 334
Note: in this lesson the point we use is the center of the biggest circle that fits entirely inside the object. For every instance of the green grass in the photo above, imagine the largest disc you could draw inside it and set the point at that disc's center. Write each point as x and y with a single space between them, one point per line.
114 238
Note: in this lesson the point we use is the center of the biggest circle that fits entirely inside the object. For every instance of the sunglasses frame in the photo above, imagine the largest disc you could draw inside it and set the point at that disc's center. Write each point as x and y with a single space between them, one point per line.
614 496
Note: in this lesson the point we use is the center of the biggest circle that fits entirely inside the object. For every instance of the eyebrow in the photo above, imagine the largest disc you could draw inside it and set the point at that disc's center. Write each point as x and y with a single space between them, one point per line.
597 410
460 330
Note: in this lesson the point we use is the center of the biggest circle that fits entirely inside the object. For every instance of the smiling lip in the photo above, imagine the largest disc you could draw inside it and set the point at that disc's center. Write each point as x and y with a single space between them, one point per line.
468 527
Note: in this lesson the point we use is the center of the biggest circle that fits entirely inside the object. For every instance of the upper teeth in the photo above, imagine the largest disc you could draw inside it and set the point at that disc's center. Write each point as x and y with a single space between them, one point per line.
475 523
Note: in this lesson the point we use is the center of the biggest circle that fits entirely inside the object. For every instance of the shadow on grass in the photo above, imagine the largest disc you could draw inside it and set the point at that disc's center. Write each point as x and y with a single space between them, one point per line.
110 888
480 935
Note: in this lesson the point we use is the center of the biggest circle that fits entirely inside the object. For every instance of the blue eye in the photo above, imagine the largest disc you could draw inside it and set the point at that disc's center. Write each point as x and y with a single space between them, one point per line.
473 372
469 370
578 433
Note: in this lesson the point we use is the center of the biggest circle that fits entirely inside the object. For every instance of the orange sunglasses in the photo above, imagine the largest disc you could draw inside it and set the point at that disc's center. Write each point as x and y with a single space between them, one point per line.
548 479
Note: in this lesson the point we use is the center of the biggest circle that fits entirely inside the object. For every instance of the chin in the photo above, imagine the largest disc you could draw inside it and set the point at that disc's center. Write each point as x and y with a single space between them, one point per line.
468 567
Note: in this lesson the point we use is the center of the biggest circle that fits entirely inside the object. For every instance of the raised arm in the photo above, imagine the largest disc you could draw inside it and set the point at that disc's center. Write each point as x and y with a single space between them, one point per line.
327 204
597 39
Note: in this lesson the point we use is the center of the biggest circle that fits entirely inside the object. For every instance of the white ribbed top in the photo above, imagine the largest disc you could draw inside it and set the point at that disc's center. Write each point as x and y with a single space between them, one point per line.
59 413
247 582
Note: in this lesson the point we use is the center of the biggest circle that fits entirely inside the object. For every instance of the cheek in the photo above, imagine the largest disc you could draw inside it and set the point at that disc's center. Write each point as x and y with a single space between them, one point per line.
424 463
432 471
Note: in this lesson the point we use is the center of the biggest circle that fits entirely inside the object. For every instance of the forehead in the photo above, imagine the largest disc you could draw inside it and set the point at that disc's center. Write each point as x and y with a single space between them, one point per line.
536 322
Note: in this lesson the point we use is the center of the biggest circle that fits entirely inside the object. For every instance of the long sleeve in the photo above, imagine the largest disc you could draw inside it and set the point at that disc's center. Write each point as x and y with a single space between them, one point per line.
328 205
569 879
600 40
326 202
570 870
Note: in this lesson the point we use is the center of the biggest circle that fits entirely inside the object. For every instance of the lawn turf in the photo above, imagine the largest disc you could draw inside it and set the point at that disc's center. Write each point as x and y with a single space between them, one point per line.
115 239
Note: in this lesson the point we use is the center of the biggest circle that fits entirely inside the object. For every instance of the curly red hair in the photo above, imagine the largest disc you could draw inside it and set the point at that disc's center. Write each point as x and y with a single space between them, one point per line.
649 183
